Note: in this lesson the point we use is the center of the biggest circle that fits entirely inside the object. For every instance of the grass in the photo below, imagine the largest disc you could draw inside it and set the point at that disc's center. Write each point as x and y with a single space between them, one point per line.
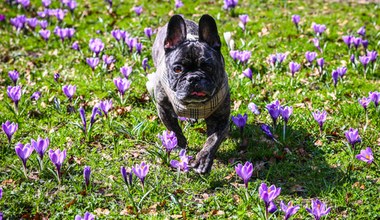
306 165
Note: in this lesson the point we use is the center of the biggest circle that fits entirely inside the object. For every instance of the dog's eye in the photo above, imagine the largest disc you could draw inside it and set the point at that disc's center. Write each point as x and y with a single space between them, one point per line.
178 69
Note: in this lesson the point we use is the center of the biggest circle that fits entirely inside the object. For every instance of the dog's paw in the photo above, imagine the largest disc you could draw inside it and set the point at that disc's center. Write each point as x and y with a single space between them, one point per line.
203 162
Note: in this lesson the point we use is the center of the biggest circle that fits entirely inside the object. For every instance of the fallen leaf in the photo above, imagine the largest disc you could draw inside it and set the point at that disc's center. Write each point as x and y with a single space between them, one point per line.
101 211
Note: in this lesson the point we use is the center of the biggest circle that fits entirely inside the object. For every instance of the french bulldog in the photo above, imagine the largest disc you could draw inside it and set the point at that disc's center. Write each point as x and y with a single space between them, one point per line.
190 81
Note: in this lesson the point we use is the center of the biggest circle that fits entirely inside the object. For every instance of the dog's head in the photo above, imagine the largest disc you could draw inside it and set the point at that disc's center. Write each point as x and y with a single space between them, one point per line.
195 66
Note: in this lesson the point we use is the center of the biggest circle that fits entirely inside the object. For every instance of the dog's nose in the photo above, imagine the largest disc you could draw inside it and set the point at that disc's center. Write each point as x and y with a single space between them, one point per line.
193 79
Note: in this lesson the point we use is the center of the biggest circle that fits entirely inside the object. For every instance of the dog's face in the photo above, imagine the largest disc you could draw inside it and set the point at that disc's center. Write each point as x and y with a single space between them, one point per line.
195 67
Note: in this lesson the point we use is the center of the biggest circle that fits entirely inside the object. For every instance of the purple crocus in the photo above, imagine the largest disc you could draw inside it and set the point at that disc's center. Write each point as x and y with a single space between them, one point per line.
294 67
272 208
87 216
14 75
254 109
95 111
75 46
92 62
365 155
18 22
347 39
138 10
320 117
86 175
105 106
364 102
35 96
45 34
361 31
40 146
341 71
148 32
243 21
375 97
61 33
316 44
289 209
280 57
365 44
240 121
60 14
57 157
82 115
43 24
14 93
70 32
274 110
183 162
335 76
353 137
69 91
352 59
23 152
178 4
141 170
356 41
230 4
268 194
296 19
72 4
131 43
145 64
372 55
266 129
1 192
138 47
9 129
117 34
46 3
168 140
319 28
32 23
2 17
310 56
286 112
127 176
248 73
96 45
364 60
244 172
318 209
122 84
108 60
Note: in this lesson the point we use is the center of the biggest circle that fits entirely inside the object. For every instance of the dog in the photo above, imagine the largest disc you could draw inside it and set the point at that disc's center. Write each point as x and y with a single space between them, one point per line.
190 81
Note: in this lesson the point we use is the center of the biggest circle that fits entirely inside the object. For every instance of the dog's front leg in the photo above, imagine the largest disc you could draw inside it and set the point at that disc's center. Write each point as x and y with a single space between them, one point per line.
217 130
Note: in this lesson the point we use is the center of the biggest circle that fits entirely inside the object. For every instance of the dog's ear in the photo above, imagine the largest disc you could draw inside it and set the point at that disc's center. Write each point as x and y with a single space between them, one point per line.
176 32
208 32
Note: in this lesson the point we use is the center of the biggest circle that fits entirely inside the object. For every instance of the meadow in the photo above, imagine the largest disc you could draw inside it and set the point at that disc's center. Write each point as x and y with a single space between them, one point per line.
304 82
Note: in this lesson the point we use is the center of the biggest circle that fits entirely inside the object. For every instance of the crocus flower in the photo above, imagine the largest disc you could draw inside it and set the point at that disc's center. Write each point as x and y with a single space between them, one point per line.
45 34
316 44
248 73
138 10
117 34
127 176
86 175
266 129
82 115
18 22
43 24
319 28
138 47
310 56
335 76
70 32
9 129
75 46
254 109
272 208
341 71
46 3
24 3
364 60
372 55
72 4
1 192
286 112
294 67
141 171
353 137
320 117
183 162
289 209
87 216
95 111
243 21
145 64
268 194
352 59
2 17
61 33
318 209
96 45
14 93
365 44
240 121
57 157
274 110
92 62
23 152
321 63
356 41
35 96
365 155
40 146
296 19
105 106
60 14
348 40
56 77
14 75
361 31
375 98
69 91
122 84
280 57
178 4
230 4
32 23
148 32
126 71
131 43
244 172
168 140
364 102
108 59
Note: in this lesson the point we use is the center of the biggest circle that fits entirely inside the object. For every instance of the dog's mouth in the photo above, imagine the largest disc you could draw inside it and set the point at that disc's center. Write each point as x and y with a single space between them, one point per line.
198 94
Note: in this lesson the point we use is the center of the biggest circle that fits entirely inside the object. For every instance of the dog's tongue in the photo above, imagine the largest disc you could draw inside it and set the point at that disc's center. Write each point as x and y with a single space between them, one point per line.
201 94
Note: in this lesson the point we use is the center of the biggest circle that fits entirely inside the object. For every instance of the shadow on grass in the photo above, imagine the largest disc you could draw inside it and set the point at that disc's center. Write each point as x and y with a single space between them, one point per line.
296 164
